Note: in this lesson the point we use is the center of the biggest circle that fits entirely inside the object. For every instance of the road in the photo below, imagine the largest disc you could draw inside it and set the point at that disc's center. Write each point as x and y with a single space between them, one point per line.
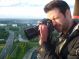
34 55
29 53
21 39
8 45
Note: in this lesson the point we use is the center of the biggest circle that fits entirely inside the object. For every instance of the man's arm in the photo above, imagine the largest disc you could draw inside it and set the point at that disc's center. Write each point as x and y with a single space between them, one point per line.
74 52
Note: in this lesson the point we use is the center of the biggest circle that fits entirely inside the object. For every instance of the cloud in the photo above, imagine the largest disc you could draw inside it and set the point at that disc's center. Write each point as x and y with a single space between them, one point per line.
25 8
27 12
14 3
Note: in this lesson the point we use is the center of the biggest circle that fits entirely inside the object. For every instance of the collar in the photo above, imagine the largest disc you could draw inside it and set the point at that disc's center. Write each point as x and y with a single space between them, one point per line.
69 31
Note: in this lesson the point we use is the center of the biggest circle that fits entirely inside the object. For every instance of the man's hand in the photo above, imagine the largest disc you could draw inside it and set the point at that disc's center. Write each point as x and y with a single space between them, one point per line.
43 34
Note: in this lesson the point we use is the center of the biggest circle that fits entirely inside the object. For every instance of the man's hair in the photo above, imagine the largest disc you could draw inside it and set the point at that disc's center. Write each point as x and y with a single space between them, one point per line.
61 5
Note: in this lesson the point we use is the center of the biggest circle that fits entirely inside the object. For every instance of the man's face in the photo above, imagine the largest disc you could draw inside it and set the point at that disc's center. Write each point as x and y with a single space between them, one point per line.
60 22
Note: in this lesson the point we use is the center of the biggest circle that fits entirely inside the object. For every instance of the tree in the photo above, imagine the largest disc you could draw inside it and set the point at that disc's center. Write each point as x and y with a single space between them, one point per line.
3 33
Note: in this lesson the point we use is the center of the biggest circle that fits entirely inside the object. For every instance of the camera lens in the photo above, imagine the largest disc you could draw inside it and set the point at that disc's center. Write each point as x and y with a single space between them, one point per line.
32 32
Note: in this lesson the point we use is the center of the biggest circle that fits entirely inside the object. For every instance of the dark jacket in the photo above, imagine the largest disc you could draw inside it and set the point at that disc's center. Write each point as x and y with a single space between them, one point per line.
68 45
66 48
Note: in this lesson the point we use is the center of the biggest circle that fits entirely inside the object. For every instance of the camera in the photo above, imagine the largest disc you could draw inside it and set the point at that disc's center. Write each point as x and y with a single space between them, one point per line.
34 32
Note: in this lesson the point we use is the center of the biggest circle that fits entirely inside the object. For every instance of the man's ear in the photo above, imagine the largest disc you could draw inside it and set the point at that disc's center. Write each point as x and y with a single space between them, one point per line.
68 13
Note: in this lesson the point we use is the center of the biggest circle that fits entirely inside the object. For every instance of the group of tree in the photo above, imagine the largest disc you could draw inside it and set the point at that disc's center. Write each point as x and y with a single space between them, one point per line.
3 33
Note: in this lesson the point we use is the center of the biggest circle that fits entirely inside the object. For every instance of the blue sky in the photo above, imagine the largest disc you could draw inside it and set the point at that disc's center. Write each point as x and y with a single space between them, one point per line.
25 8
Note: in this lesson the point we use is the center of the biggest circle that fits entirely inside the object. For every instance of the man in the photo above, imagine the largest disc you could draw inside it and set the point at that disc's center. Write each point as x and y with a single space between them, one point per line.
68 45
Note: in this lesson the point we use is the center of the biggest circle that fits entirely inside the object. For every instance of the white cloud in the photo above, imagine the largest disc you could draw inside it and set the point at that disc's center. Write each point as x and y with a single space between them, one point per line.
22 2
24 8
8 2
21 12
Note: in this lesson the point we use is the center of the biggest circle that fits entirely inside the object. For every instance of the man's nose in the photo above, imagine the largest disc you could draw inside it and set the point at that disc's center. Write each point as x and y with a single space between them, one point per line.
54 22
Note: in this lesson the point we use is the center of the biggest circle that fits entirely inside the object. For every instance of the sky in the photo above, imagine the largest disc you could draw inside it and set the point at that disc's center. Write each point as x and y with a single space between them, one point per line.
23 9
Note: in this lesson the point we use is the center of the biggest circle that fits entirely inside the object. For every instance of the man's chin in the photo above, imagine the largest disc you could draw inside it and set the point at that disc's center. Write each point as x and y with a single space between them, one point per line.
59 31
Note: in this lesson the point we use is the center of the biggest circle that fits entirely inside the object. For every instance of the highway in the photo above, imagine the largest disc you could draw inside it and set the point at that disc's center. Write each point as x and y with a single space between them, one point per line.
8 45
29 54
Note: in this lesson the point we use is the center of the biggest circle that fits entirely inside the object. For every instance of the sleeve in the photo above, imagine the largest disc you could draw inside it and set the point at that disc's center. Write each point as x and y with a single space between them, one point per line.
74 53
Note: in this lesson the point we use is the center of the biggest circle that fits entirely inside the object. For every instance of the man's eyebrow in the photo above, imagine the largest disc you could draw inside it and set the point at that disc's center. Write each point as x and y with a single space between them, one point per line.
56 17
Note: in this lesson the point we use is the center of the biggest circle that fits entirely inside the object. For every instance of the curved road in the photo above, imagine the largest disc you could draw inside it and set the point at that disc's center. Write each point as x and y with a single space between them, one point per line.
29 53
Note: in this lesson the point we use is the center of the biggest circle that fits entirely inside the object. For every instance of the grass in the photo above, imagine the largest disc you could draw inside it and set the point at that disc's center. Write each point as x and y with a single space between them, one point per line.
22 48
